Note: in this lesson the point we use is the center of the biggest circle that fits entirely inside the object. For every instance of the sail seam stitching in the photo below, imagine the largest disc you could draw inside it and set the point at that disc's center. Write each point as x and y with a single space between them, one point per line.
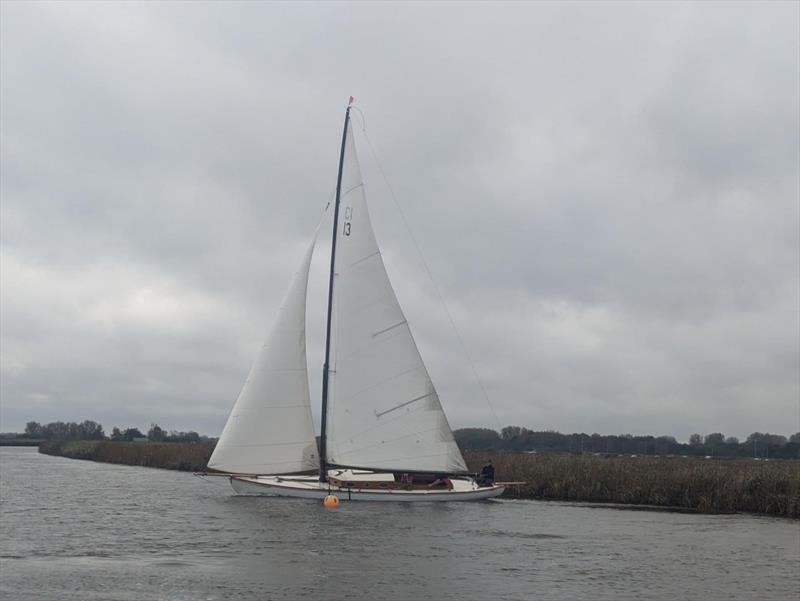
401 405
356 187
364 258
384 330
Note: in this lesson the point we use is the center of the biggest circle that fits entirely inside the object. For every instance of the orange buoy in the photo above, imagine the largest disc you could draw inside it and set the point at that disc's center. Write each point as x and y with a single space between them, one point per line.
331 501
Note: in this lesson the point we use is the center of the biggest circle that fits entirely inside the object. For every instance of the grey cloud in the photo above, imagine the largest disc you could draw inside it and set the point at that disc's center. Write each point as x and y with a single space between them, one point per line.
607 196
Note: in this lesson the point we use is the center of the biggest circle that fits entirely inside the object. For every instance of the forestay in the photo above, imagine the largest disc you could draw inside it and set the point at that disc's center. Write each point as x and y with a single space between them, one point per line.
270 430
383 411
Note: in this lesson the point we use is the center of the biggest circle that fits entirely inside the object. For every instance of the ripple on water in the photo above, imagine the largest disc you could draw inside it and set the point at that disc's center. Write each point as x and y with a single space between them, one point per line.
516 534
84 531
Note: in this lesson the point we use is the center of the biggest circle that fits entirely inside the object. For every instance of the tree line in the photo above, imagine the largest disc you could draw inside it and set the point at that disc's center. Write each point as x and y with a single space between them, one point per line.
90 430
85 430
716 444
510 438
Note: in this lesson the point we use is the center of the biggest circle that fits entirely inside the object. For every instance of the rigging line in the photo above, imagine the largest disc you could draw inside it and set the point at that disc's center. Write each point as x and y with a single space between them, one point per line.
322 214
430 274
363 118
206 480
330 200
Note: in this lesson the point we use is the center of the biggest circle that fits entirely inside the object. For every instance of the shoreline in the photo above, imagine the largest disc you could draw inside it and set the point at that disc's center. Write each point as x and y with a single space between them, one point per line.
179 456
704 486
689 485
20 442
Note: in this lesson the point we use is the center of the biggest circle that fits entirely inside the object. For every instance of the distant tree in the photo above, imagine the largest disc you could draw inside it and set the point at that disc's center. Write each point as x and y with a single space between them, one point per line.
176 436
776 439
714 439
767 439
795 438
791 450
510 432
695 440
477 438
732 440
33 430
57 430
116 434
131 433
156 434
90 430
666 445
86 430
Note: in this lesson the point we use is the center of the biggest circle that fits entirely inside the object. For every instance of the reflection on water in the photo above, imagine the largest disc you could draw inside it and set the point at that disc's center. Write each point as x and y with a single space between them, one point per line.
75 530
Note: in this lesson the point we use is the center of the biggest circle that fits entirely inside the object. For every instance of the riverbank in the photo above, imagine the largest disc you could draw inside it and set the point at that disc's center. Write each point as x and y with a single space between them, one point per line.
706 486
703 485
165 455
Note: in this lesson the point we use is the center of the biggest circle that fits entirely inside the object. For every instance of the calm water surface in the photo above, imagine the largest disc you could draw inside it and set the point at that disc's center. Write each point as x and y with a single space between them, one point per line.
77 530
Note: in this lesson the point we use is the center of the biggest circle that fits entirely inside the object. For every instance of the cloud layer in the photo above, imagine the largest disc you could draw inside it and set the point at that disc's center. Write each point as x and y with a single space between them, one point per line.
607 196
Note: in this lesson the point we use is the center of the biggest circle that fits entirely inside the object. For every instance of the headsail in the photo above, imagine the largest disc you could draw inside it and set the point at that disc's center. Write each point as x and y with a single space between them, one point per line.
383 411
270 430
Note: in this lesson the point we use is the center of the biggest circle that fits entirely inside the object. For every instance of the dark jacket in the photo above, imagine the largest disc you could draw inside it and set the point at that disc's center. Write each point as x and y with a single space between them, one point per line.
487 472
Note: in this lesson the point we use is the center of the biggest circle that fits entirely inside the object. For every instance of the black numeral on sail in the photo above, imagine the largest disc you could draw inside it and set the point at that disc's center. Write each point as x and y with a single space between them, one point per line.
348 214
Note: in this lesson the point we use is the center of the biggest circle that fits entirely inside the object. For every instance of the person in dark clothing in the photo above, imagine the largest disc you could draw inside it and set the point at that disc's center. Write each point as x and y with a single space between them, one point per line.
486 477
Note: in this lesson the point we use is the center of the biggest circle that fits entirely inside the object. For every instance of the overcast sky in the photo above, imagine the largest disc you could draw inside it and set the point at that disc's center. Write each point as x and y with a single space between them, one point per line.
608 196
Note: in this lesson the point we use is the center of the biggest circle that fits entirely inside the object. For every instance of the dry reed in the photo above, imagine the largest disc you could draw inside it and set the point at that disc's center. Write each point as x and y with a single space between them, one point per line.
708 486
165 455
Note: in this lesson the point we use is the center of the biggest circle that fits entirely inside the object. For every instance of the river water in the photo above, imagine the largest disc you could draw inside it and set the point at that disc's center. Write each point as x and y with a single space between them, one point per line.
78 530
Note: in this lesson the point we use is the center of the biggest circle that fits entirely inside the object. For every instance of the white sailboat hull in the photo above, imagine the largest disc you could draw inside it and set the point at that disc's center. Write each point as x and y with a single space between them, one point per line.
312 488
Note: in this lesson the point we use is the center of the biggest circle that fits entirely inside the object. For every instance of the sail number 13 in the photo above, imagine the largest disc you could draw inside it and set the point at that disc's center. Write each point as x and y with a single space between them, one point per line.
348 216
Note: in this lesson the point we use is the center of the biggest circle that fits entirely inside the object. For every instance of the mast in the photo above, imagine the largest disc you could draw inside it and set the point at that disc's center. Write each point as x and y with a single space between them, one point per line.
323 457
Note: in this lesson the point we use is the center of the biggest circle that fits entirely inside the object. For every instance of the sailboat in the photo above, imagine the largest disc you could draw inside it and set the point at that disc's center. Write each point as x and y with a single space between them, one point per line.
384 435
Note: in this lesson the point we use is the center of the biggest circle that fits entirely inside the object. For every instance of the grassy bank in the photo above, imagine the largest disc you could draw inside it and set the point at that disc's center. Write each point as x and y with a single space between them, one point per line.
165 455
706 486
20 442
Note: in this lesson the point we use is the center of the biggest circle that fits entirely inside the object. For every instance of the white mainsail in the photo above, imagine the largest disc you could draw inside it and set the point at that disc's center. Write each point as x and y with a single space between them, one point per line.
383 411
270 430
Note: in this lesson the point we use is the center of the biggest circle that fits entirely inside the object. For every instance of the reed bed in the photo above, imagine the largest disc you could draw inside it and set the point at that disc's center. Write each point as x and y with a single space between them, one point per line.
707 486
165 455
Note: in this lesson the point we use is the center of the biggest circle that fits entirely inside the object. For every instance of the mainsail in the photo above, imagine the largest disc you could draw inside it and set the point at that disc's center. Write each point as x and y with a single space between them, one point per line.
383 411
270 430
